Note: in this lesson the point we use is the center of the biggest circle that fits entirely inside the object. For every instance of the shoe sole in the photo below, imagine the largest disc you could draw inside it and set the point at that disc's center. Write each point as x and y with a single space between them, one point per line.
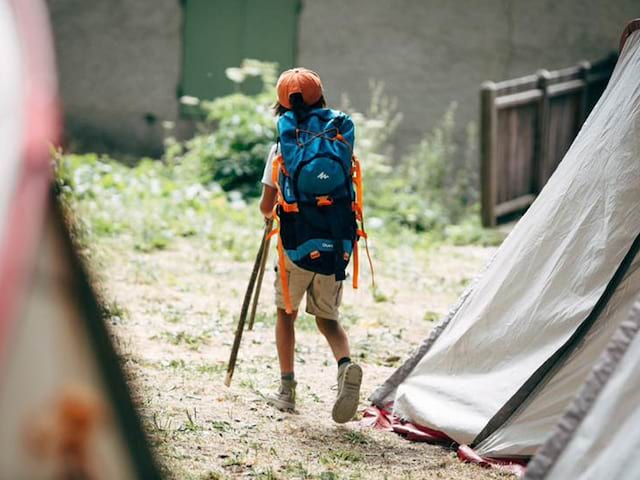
347 402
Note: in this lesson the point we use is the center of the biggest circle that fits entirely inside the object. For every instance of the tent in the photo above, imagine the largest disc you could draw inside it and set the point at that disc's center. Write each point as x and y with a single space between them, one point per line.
65 408
598 436
499 370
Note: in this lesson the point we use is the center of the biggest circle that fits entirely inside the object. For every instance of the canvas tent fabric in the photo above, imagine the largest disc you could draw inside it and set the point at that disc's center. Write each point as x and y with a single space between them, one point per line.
65 408
10 106
598 436
503 365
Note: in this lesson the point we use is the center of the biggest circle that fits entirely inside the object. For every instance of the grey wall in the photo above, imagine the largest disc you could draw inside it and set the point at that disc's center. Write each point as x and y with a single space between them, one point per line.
120 60
430 53
119 67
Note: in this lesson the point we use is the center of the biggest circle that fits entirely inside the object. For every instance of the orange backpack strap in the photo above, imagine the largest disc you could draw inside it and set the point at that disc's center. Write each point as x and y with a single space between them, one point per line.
361 233
355 264
278 165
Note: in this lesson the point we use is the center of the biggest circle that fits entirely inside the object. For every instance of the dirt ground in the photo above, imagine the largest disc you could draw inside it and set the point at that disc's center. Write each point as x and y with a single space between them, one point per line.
175 317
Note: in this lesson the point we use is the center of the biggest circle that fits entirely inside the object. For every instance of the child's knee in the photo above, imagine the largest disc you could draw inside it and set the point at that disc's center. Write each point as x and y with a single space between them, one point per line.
326 326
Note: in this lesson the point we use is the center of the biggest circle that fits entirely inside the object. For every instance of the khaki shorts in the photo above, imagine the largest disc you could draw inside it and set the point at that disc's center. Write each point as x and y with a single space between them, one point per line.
324 292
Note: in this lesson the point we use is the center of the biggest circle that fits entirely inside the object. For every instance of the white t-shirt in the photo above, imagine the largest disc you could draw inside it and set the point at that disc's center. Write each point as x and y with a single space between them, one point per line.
268 167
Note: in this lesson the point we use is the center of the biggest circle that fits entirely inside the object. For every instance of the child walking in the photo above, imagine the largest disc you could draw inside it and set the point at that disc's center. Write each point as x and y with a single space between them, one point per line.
318 229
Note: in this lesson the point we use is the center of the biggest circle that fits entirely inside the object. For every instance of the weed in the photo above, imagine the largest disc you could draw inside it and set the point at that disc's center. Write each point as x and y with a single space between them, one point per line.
211 368
235 460
431 316
194 342
250 384
328 475
220 425
356 437
267 474
378 295
346 456
213 476
159 423
191 424
114 310
177 364
297 470
172 314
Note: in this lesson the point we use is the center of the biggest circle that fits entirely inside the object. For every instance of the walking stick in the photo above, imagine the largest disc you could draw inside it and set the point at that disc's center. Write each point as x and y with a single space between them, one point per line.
245 304
256 296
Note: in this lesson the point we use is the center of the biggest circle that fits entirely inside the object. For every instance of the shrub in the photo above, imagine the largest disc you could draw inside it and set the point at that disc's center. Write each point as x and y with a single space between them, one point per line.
151 204
432 187
237 131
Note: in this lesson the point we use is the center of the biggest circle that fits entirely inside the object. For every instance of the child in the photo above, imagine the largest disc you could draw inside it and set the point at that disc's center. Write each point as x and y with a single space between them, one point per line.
300 90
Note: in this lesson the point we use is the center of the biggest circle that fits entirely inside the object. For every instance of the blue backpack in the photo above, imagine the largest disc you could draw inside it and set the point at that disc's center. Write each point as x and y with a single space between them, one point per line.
319 193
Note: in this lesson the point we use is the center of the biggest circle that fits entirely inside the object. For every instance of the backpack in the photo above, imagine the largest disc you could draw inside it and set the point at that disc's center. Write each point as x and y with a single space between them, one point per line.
319 183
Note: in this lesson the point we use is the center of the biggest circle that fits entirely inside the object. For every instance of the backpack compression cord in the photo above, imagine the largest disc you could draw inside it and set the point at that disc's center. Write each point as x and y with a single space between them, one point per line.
319 184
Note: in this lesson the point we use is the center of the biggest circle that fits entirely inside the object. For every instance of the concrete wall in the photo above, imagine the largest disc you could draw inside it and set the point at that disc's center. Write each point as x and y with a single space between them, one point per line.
120 60
119 67
430 53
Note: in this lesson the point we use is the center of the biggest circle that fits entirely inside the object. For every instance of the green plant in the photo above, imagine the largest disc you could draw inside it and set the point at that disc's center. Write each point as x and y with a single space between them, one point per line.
151 205
237 131
356 437
191 425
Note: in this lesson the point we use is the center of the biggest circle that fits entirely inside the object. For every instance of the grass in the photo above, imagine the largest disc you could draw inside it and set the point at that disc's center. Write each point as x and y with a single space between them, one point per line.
192 341
356 437
179 298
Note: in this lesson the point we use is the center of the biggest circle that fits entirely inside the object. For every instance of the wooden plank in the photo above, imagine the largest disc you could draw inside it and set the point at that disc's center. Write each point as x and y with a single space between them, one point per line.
515 205
518 99
584 94
542 133
565 88
564 74
488 141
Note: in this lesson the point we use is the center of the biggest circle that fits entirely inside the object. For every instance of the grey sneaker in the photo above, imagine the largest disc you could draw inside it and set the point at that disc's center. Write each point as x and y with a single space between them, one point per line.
285 397
349 380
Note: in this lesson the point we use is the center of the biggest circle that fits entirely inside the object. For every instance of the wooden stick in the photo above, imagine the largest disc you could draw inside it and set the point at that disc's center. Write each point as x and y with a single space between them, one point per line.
256 296
245 305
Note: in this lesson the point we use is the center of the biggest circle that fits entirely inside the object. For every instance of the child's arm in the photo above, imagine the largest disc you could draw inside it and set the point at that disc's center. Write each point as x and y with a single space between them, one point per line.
268 200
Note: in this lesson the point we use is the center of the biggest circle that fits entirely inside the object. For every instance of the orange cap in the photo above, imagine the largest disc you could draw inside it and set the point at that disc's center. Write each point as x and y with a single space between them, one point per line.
299 80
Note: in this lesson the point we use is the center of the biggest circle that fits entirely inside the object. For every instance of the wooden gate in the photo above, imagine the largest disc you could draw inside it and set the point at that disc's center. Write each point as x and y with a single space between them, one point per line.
527 125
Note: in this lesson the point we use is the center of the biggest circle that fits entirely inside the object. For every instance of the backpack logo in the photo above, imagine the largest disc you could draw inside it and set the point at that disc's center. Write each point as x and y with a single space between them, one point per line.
322 176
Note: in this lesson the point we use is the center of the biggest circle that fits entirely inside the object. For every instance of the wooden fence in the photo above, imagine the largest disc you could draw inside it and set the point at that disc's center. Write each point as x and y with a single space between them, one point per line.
527 125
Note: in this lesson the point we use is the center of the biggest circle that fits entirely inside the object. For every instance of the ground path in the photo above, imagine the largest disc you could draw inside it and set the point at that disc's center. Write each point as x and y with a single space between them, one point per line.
174 320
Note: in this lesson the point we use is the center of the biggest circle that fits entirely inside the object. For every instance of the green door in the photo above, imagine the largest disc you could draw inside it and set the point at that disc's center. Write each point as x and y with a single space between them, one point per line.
221 33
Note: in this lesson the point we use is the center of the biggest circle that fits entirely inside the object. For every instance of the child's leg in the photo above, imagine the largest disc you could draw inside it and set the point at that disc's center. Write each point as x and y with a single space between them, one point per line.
285 340
336 337
285 397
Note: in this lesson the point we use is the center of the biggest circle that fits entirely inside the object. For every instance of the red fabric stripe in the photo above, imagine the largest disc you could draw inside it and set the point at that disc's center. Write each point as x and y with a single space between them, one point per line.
384 419
27 209
468 454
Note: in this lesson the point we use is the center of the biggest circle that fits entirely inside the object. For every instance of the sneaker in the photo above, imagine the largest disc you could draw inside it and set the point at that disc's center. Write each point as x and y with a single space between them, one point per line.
349 380
285 397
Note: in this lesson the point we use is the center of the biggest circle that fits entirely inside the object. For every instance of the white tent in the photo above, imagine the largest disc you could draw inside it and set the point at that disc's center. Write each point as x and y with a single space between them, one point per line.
599 434
500 369
65 409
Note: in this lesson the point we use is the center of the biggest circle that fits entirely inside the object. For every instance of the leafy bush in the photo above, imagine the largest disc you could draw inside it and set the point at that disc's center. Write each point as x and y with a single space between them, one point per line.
237 132
432 187
152 204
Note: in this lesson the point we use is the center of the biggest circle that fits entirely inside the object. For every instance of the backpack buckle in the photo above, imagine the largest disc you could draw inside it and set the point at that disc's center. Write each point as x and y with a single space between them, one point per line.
314 255
324 201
